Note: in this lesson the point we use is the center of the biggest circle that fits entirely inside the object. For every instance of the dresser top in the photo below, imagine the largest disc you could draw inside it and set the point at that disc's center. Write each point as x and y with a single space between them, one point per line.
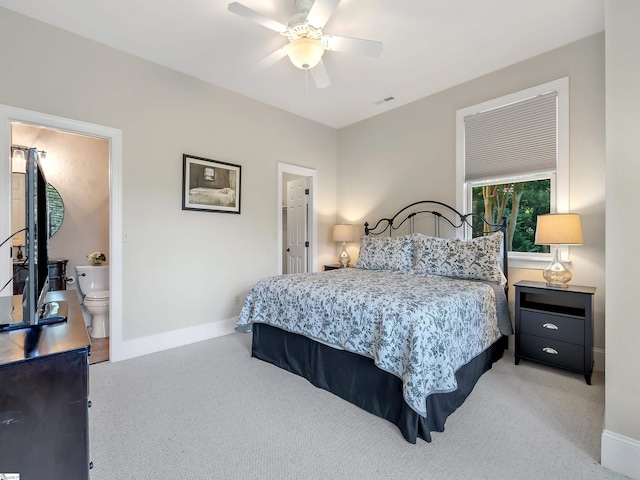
51 260
24 344
543 286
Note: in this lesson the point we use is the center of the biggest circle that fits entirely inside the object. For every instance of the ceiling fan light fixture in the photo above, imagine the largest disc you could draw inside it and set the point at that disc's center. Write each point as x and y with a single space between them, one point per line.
305 53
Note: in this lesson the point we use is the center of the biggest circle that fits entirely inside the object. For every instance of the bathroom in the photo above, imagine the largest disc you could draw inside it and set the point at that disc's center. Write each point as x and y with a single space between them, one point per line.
77 166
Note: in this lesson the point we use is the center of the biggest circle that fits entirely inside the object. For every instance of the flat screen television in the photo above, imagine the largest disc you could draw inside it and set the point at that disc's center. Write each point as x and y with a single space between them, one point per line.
35 311
36 239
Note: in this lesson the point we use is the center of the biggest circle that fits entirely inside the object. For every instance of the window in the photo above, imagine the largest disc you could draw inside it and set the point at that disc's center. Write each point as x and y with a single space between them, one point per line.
521 202
512 160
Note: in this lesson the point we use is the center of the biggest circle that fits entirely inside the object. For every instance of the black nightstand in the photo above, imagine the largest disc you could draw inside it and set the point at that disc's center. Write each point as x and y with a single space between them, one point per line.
334 266
554 326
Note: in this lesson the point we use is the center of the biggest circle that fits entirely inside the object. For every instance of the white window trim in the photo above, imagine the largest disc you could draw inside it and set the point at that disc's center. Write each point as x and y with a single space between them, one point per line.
561 201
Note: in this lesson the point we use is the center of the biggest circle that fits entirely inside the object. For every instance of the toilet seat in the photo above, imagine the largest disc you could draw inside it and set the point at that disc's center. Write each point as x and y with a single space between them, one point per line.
103 295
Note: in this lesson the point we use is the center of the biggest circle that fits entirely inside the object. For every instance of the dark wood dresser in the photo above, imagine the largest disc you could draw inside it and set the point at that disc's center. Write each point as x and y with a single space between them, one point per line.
554 326
57 275
44 387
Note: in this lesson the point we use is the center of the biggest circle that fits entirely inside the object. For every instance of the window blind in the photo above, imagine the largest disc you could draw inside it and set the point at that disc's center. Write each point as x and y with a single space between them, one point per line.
516 139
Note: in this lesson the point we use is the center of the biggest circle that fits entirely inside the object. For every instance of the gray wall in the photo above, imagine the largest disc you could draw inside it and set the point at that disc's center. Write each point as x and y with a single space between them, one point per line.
622 402
181 268
408 154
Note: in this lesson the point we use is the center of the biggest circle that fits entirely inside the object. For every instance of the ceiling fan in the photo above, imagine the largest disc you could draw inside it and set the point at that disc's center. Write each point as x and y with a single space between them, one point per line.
307 43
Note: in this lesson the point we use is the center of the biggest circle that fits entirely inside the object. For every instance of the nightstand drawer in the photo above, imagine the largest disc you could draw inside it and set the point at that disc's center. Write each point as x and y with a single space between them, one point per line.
561 354
548 325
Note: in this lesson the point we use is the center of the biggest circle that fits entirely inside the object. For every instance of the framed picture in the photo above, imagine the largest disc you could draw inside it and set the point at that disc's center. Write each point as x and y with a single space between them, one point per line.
209 185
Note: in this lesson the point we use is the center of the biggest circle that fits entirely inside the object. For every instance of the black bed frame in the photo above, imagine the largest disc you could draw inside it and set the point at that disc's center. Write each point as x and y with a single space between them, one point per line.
442 211
379 392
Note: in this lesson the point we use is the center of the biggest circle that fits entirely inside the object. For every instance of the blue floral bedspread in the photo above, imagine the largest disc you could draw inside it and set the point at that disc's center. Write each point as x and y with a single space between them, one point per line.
421 328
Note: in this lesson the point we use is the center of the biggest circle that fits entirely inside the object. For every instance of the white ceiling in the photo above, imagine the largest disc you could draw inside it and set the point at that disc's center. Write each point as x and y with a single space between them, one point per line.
429 45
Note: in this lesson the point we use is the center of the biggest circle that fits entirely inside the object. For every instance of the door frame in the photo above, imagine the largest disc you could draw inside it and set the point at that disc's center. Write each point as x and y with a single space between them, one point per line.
9 115
313 217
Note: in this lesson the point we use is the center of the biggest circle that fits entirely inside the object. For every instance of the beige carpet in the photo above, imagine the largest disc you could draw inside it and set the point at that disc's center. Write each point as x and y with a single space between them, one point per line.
209 411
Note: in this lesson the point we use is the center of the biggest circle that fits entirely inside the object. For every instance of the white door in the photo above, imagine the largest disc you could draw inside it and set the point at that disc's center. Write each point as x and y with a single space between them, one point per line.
297 225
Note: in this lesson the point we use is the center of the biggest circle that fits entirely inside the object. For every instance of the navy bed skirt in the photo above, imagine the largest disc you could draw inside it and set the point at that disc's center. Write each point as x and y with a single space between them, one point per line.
356 378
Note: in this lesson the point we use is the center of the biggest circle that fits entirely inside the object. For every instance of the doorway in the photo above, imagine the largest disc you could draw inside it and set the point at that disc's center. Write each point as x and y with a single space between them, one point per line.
295 224
10 116
77 171
297 219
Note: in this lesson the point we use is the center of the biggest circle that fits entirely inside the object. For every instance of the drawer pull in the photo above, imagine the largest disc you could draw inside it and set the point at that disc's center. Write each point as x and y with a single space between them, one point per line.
550 326
550 350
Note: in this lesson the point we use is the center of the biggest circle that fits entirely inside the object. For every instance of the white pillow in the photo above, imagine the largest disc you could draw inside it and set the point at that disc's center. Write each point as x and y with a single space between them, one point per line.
386 253
478 258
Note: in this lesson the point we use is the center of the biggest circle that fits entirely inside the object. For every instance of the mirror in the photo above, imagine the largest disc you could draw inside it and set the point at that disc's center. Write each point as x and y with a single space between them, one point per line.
56 209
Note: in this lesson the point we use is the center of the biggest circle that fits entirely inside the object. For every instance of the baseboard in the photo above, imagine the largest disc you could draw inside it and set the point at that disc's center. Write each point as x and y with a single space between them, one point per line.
598 359
178 338
620 454
175 338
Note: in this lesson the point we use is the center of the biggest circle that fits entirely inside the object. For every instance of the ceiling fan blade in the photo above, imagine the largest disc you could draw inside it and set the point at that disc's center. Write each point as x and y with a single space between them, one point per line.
370 48
257 17
320 75
270 59
321 12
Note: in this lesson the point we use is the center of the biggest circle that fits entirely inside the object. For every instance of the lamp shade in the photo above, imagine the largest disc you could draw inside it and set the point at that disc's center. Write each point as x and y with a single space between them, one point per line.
343 233
305 52
559 229
18 161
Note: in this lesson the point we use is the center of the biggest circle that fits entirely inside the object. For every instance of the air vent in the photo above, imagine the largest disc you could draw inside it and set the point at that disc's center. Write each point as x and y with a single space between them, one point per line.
385 100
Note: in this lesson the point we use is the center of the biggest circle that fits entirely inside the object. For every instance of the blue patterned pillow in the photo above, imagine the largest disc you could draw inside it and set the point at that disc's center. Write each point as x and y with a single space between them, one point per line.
478 258
386 253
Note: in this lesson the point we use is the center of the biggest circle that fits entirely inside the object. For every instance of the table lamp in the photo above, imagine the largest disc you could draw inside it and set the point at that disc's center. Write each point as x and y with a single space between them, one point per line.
558 229
343 233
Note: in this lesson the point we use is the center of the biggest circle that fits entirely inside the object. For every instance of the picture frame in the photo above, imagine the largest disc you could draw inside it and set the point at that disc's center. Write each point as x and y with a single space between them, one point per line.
210 185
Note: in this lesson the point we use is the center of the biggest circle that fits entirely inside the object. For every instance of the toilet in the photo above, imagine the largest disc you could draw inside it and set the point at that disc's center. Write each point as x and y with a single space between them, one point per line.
93 281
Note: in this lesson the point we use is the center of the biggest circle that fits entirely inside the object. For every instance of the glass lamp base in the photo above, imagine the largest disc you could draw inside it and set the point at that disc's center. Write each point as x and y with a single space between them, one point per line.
557 274
344 260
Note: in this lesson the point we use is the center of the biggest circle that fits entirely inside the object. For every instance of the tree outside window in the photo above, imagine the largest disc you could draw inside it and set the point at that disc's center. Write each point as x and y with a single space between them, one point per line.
521 203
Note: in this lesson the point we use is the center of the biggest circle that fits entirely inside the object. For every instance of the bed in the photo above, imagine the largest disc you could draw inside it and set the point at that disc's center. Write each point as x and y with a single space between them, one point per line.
222 197
407 332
